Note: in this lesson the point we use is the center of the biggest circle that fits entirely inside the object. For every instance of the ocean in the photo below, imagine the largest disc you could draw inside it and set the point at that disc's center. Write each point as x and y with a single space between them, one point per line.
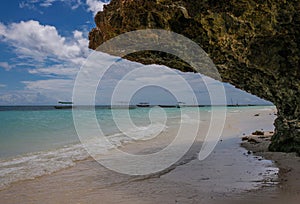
40 140
36 141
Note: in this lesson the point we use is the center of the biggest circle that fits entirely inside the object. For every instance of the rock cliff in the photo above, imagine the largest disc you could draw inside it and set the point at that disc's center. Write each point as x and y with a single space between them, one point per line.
255 45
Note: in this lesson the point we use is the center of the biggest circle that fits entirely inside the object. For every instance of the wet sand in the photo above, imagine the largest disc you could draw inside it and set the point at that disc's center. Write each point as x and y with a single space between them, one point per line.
288 164
229 174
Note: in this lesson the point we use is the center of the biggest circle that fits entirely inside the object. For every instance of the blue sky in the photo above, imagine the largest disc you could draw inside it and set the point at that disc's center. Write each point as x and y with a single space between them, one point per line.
44 43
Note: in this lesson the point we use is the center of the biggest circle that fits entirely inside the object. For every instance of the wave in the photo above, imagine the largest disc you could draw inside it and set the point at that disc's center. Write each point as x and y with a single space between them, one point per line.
36 164
33 165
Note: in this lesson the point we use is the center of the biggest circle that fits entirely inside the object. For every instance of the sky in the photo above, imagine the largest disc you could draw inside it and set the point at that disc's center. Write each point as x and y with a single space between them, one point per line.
44 44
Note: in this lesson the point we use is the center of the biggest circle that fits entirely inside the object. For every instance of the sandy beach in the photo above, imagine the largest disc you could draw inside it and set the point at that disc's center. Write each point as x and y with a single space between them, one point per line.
289 169
230 174
149 102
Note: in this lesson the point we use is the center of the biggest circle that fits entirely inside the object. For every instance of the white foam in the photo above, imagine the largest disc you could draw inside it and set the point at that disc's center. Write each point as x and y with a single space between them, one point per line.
235 111
146 132
30 166
33 165
190 119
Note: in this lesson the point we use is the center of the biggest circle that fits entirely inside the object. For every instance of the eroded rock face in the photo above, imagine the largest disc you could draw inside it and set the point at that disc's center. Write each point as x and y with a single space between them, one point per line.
254 43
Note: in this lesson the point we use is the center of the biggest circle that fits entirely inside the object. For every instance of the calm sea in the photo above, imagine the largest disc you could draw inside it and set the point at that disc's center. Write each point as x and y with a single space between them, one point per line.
41 140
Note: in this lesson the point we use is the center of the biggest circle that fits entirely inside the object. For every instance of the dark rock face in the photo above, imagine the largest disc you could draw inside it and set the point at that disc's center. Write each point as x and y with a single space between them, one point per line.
255 45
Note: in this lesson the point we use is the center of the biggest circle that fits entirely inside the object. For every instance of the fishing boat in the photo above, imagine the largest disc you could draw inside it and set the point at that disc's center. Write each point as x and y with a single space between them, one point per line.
180 104
64 105
168 106
143 105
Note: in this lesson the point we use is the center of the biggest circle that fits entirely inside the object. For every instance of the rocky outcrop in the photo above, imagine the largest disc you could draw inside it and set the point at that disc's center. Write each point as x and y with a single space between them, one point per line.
254 43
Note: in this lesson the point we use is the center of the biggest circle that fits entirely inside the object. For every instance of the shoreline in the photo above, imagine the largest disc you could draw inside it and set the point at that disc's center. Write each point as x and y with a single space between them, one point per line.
227 175
288 164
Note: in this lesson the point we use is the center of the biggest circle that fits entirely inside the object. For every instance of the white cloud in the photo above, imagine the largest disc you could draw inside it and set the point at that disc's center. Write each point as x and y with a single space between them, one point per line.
95 5
56 84
40 44
42 51
34 4
55 89
2 29
27 4
24 98
47 3
58 70
76 5
2 85
92 5
5 66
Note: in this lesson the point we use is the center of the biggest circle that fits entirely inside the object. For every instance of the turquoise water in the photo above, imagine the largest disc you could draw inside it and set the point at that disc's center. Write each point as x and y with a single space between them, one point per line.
25 131
41 140
35 141
30 131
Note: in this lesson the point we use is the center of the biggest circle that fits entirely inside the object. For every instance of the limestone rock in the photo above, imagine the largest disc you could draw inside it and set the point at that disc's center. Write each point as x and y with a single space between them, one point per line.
254 43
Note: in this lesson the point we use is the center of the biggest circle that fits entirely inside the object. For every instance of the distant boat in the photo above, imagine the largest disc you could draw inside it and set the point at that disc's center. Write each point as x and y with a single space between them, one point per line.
64 105
168 106
143 105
